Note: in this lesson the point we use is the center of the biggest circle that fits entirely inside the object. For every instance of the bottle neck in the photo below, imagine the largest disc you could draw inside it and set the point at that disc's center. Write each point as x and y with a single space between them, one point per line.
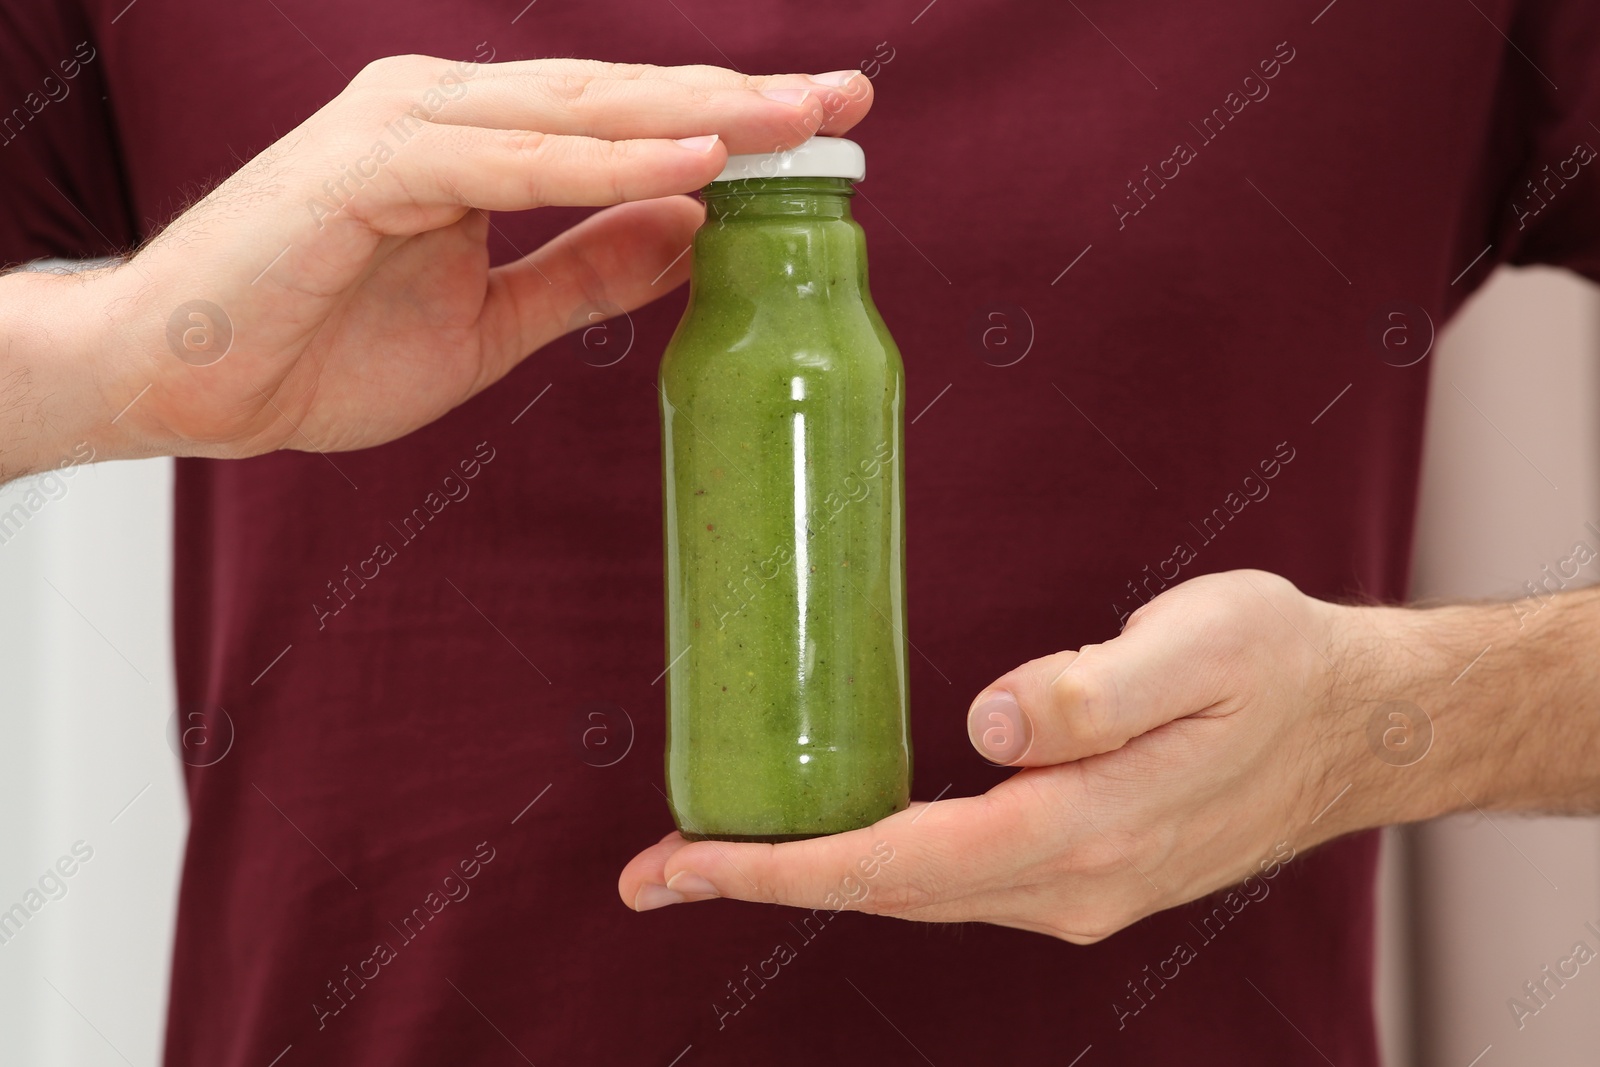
748 199
779 239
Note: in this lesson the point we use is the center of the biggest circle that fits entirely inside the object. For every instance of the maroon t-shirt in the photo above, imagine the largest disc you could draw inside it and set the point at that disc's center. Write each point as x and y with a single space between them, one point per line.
1135 257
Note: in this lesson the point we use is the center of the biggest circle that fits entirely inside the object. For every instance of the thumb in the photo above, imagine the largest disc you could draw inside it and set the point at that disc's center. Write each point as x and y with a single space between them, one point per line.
613 262
1072 705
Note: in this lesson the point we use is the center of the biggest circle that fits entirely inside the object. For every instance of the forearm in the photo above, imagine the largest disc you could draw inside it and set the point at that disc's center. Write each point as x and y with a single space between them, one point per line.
1512 693
61 393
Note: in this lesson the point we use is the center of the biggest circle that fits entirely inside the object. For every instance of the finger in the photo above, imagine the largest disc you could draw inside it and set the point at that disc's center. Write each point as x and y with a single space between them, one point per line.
698 74
422 72
763 118
1077 704
446 168
618 259
643 883
929 858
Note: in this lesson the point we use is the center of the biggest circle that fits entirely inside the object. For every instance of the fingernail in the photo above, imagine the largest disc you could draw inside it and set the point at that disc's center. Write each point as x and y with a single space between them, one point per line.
690 884
701 144
655 896
999 729
787 96
835 78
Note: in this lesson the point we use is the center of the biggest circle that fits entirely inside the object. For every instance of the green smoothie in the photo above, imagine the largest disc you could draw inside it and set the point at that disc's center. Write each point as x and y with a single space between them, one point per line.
782 400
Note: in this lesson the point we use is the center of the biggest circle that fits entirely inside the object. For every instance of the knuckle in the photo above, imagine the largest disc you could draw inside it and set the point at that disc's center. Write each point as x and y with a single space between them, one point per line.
1094 924
688 72
896 898
1269 583
570 90
1085 701
606 164
1221 613
697 97
531 150
612 158
393 71
1097 857
635 71
1145 610
760 881
523 142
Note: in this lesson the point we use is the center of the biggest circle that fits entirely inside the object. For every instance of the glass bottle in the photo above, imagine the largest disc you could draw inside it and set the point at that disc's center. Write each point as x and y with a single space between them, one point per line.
782 398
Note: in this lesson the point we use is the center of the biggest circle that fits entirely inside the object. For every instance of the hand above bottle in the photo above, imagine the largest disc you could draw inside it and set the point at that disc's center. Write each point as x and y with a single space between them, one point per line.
1233 724
335 292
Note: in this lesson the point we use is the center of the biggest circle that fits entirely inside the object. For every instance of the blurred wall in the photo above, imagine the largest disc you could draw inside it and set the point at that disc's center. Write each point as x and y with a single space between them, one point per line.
1508 488
85 766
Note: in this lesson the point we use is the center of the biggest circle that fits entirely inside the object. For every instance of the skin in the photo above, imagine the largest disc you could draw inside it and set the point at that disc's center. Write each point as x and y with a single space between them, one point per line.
1169 762
400 272
1227 717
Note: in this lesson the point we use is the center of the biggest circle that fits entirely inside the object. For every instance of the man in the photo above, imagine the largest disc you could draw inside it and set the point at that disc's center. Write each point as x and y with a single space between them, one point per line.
416 565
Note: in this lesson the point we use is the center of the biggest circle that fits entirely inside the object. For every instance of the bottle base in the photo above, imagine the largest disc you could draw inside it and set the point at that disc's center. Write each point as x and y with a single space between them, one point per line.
703 834
771 839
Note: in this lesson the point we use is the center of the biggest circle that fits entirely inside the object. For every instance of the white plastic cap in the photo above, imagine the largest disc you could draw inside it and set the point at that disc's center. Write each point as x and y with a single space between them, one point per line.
819 157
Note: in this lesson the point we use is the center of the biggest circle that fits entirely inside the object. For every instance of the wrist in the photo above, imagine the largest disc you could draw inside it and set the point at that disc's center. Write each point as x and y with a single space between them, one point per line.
1411 743
67 380
1395 742
1467 707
